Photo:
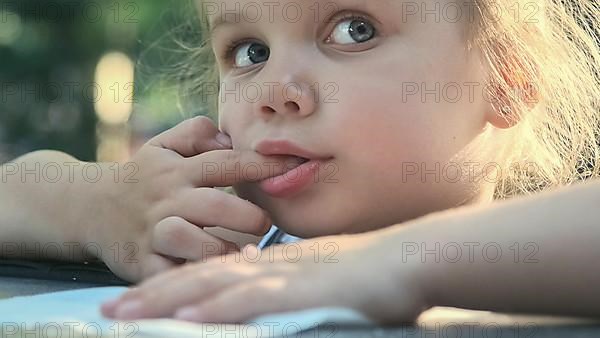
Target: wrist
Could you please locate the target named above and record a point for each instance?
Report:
(397, 282)
(416, 259)
(93, 194)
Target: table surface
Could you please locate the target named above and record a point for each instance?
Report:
(438, 322)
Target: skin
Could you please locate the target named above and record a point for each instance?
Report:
(371, 134)
(159, 221)
(389, 285)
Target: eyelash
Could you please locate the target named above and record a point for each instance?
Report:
(336, 19)
(232, 46)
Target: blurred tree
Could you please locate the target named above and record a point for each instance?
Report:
(49, 51)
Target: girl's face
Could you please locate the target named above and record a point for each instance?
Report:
(386, 105)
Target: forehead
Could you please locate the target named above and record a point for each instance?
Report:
(291, 11)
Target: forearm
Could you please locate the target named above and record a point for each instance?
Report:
(537, 254)
(40, 212)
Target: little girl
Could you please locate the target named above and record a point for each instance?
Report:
(407, 119)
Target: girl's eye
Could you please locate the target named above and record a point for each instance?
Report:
(352, 31)
(250, 53)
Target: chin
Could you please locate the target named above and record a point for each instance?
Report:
(309, 227)
(319, 218)
(319, 223)
(317, 212)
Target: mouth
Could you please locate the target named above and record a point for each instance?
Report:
(299, 154)
(300, 172)
(300, 160)
(296, 162)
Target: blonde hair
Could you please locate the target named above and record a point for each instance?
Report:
(552, 53)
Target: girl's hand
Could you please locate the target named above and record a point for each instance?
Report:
(349, 271)
(154, 219)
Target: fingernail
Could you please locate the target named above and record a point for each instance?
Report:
(268, 224)
(191, 314)
(224, 140)
(129, 310)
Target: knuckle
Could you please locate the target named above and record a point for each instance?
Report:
(172, 169)
(171, 231)
(216, 200)
(165, 169)
(254, 292)
(201, 125)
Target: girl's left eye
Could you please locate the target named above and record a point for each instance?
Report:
(352, 31)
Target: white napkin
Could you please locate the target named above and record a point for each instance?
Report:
(78, 312)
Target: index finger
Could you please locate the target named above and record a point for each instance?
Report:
(224, 168)
(192, 137)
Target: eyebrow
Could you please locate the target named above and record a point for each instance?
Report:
(222, 19)
(233, 17)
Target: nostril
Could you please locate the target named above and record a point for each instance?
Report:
(292, 106)
(267, 110)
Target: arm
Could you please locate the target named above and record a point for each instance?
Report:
(385, 278)
(555, 270)
(33, 212)
(141, 217)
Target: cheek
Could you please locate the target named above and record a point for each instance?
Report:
(379, 124)
(235, 118)
(374, 124)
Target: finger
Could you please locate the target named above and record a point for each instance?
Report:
(192, 137)
(156, 264)
(242, 302)
(109, 308)
(224, 168)
(153, 265)
(212, 207)
(176, 237)
(214, 264)
(162, 300)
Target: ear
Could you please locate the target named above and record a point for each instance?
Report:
(501, 112)
(515, 94)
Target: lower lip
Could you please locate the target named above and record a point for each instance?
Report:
(293, 181)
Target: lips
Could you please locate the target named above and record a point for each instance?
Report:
(283, 147)
(298, 176)
(288, 148)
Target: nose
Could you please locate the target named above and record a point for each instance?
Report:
(292, 98)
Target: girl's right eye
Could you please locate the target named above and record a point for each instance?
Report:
(250, 53)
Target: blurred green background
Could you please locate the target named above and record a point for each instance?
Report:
(67, 74)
